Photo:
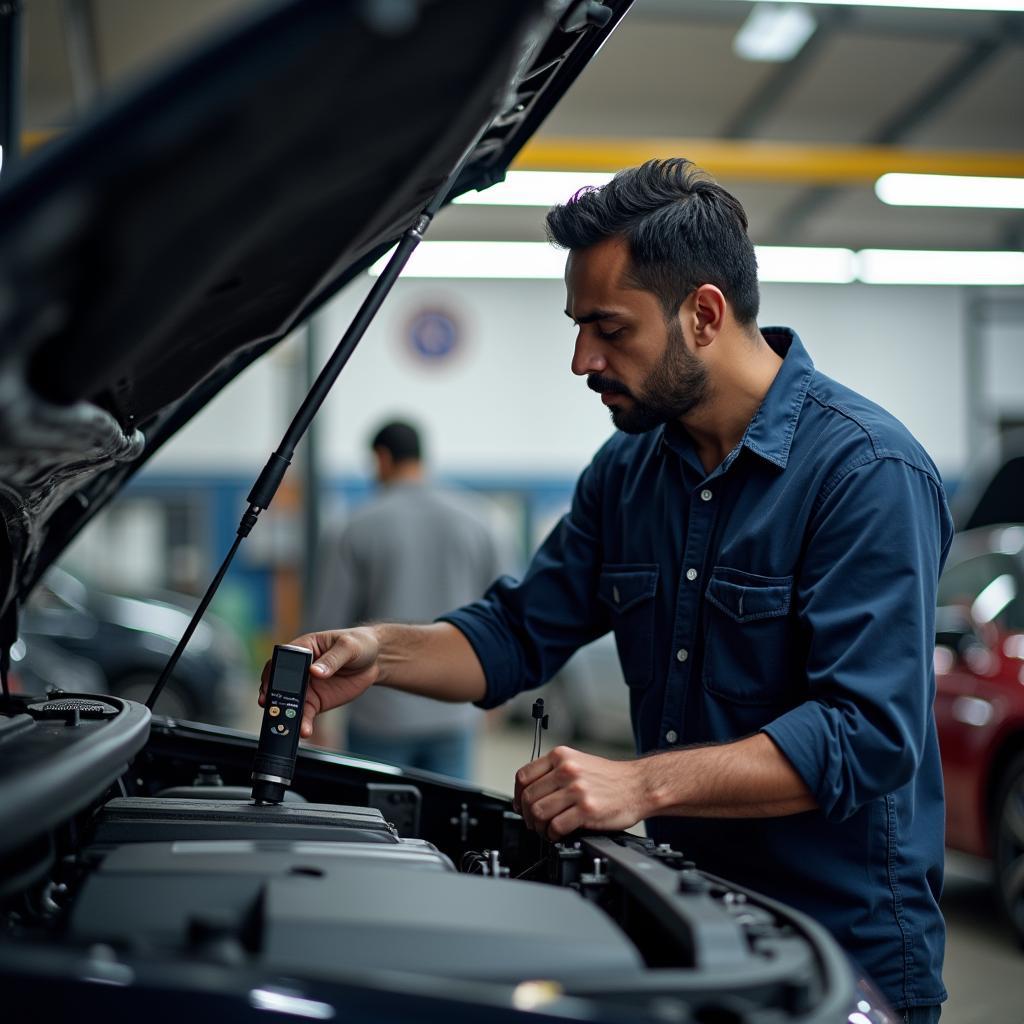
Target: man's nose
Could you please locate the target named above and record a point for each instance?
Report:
(587, 358)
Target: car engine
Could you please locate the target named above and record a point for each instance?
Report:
(139, 876)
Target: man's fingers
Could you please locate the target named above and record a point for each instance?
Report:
(343, 650)
(345, 658)
(546, 809)
(309, 711)
(565, 823)
(529, 773)
(536, 791)
(526, 775)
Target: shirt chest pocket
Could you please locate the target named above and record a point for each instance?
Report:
(748, 637)
(628, 591)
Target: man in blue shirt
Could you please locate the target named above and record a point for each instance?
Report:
(765, 545)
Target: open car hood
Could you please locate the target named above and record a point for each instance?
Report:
(154, 252)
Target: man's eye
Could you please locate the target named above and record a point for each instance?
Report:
(609, 335)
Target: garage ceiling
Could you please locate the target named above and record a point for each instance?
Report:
(918, 79)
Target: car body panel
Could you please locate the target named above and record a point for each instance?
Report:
(979, 704)
(185, 228)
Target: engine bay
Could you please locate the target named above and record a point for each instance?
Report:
(137, 872)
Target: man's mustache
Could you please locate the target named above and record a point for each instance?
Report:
(605, 385)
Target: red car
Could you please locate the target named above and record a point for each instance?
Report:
(979, 704)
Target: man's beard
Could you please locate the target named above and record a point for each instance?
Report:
(676, 386)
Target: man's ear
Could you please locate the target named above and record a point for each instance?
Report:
(384, 464)
(708, 311)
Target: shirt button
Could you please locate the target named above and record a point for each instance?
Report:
(681, 654)
(671, 736)
(705, 495)
(691, 574)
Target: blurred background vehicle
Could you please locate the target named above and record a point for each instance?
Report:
(992, 490)
(979, 705)
(128, 639)
(38, 665)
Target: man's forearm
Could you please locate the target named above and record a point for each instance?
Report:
(433, 661)
(750, 778)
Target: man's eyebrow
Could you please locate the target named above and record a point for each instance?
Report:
(594, 316)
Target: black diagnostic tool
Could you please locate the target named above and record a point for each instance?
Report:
(282, 717)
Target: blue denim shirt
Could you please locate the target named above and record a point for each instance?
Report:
(790, 591)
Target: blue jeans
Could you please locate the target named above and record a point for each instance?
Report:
(448, 753)
(921, 1014)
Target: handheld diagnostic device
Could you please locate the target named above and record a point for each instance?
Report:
(282, 716)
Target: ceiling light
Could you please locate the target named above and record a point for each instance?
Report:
(542, 261)
(923, 266)
(535, 188)
(776, 264)
(481, 259)
(774, 32)
(805, 264)
(937, 5)
(950, 190)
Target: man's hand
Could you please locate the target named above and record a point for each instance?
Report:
(749, 778)
(435, 661)
(568, 790)
(345, 664)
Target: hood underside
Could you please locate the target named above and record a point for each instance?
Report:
(150, 255)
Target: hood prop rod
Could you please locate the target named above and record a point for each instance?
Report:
(270, 478)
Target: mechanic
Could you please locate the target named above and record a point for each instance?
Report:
(410, 553)
(766, 545)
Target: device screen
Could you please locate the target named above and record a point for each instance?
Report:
(290, 671)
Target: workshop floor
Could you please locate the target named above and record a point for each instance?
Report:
(984, 969)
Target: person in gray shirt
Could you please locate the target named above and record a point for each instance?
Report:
(412, 553)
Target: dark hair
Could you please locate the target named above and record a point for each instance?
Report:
(683, 230)
(399, 438)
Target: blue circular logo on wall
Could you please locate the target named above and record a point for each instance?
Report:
(433, 335)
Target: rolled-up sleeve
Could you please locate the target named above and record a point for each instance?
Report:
(866, 603)
(524, 631)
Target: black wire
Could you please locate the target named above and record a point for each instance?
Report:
(476, 861)
(532, 867)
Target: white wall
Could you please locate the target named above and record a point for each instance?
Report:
(899, 346)
(506, 402)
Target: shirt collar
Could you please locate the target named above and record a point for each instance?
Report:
(770, 433)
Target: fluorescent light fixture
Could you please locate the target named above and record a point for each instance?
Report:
(538, 260)
(534, 188)
(805, 264)
(481, 259)
(924, 266)
(774, 32)
(776, 264)
(935, 5)
(950, 190)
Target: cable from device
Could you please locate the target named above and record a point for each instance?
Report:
(540, 722)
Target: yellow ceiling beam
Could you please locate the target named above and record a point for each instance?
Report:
(35, 137)
(810, 163)
(820, 164)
